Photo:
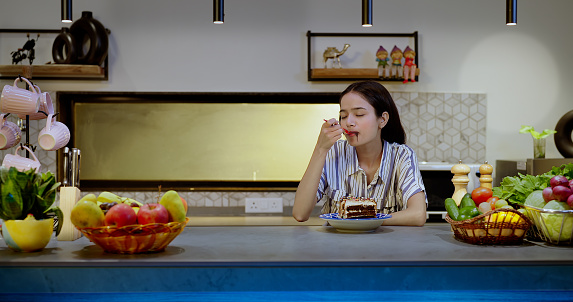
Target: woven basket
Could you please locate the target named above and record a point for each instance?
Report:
(485, 229)
(134, 239)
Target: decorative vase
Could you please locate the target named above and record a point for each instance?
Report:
(63, 49)
(539, 148)
(89, 32)
(28, 235)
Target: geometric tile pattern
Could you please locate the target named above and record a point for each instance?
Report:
(439, 126)
(444, 126)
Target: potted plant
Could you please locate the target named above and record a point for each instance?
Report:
(538, 140)
(26, 200)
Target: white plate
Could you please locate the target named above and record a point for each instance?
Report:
(355, 224)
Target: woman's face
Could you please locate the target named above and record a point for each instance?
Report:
(359, 118)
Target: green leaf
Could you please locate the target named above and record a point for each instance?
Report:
(59, 214)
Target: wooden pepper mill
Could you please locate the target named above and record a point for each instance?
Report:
(485, 178)
(460, 181)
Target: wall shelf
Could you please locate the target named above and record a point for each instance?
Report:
(53, 71)
(341, 74)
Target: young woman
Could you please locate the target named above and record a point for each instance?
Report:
(373, 161)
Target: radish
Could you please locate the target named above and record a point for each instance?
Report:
(559, 180)
(570, 200)
(561, 193)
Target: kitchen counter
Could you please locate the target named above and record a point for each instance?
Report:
(228, 258)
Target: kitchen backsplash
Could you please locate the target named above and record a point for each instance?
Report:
(440, 127)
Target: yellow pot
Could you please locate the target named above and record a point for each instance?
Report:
(28, 235)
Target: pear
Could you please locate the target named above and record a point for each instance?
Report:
(87, 214)
(89, 197)
(174, 205)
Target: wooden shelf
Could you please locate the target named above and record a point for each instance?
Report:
(341, 73)
(67, 71)
(348, 74)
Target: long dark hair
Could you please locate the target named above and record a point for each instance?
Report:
(382, 101)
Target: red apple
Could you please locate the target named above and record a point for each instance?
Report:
(152, 213)
(120, 215)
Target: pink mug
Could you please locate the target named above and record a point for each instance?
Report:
(18, 100)
(10, 133)
(45, 106)
(54, 136)
(21, 163)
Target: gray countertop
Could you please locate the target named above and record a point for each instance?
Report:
(302, 245)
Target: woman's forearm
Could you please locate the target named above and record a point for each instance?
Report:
(413, 215)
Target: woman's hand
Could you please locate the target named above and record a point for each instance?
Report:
(330, 132)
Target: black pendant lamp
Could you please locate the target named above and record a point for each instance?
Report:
(366, 13)
(218, 11)
(511, 12)
(67, 11)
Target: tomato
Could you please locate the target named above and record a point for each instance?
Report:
(481, 194)
(492, 200)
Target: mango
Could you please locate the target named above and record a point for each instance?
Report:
(87, 214)
(174, 205)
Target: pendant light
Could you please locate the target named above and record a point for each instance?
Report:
(366, 13)
(67, 11)
(218, 11)
(511, 12)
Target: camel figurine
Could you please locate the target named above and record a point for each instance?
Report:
(334, 54)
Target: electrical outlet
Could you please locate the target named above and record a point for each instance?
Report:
(263, 205)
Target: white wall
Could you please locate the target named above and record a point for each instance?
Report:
(465, 46)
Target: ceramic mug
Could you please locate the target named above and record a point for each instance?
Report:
(18, 100)
(54, 136)
(10, 133)
(21, 163)
(45, 106)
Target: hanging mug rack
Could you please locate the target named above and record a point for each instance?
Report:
(25, 127)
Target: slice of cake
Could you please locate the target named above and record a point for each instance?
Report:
(352, 207)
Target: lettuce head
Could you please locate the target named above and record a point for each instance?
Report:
(559, 226)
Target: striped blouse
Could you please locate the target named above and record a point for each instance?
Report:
(397, 178)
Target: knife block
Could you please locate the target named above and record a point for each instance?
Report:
(69, 196)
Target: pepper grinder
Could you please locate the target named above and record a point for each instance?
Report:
(460, 181)
(485, 177)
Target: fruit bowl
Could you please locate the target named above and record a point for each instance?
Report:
(135, 239)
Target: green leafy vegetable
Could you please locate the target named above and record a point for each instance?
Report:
(535, 134)
(516, 188)
(28, 192)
